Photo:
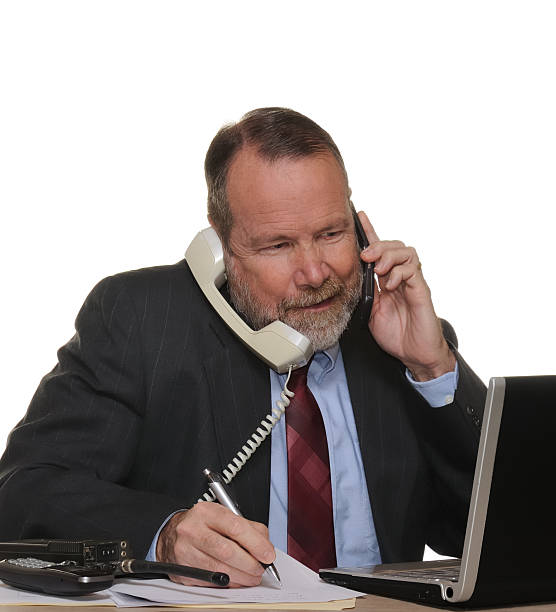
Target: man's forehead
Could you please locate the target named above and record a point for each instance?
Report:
(248, 165)
(255, 181)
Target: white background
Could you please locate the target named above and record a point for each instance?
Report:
(444, 113)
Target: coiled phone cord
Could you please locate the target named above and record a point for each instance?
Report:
(256, 438)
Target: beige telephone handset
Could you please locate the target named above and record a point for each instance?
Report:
(277, 344)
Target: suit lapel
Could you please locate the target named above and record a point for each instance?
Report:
(376, 390)
(239, 387)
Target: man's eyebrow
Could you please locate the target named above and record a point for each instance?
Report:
(334, 225)
(270, 238)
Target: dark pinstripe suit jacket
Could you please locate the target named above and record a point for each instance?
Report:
(153, 388)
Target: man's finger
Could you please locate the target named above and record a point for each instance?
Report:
(405, 273)
(239, 530)
(211, 537)
(262, 529)
(391, 257)
(368, 227)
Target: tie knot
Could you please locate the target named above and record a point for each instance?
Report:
(298, 377)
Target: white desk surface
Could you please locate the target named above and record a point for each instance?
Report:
(369, 603)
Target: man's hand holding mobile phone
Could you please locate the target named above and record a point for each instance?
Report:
(403, 321)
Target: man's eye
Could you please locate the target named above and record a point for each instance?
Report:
(276, 247)
(331, 234)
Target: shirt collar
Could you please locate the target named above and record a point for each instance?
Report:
(324, 362)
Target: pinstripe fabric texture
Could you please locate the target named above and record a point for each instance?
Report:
(154, 387)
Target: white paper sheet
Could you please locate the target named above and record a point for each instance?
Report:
(299, 584)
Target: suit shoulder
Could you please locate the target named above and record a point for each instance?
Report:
(144, 276)
(168, 283)
(152, 277)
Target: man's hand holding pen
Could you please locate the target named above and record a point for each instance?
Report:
(212, 537)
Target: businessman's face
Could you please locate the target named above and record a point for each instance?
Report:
(292, 249)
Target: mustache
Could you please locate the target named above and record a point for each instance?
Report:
(313, 295)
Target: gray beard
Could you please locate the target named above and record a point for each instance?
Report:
(323, 329)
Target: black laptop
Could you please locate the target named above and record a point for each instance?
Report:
(509, 554)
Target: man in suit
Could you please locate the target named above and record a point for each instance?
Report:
(154, 387)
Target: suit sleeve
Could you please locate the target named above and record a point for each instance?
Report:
(64, 470)
(449, 437)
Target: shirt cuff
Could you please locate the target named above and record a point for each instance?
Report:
(151, 554)
(438, 391)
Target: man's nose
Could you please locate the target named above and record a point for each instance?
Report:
(311, 269)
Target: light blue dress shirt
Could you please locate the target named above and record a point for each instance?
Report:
(356, 542)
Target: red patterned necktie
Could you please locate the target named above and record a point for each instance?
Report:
(310, 520)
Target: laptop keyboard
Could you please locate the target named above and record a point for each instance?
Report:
(444, 573)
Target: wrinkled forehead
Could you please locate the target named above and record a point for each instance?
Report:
(255, 183)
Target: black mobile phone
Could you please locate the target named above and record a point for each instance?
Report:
(368, 288)
(62, 578)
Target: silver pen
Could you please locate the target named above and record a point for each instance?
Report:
(218, 487)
